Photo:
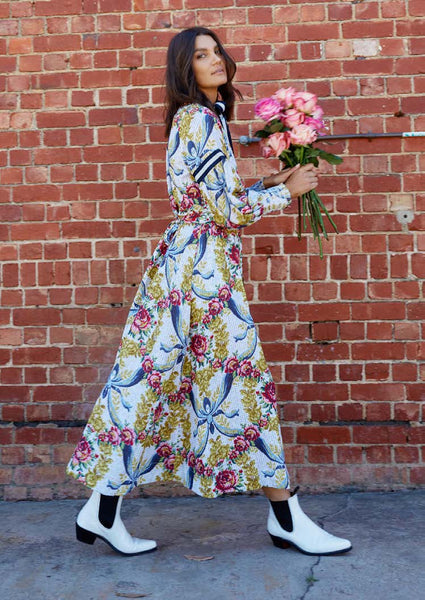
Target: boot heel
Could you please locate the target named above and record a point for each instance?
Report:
(87, 537)
(278, 542)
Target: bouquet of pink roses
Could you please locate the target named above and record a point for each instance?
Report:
(293, 122)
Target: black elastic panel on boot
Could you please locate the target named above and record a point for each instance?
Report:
(107, 510)
(283, 514)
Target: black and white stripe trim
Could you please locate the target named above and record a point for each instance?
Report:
(207, 164)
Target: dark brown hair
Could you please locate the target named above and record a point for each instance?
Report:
(180, 84)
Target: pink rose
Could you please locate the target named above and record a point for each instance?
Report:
(191, 460)
(278, 142)
(224, 293)
(231, 364)
(199, 466)
(147, 364)
(235, 254)
(186, 203)
(293, 117)
(154, 379)
(233, 454)
(169, 462)
(158, 412)
(83, 451)
(128, 436)
(163, 303)
(103, 437)
(301, 135)
(114, 435)
(245, 368)
(162, 247)
(206, 319)
(156, 438)
(208, 472)
(199, 346)
(262, 422)
(270, 392)
(193, 191)
(141, 436)
(174, 205)
(225, 481)
(217, 364)
(175, 297)
(256, 372)
(241, 444)
(285, 97)
(268, 109)
(164, 450)
(251, 433)
(266, 151)
(141, 320)
(305, 102)
(316, 124)
(186, 386)
(215, 306)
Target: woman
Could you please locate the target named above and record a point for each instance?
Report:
(190, 397)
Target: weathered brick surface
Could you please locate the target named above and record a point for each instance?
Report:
(83, 202)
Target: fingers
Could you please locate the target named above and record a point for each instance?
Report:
(285, 173)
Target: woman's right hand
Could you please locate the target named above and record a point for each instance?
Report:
(302, 180)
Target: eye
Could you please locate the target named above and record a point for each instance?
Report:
(202, 55)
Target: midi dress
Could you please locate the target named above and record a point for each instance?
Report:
(190, 397)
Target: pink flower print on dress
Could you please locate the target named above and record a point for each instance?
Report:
(175, 297)
(241, 444)
(186, 202)
(226, 481)
(199, 345)
(199, 466)
(224, 293)
(251, 433)
(141, 320)
(147, 364)
(82, 452)
(231, 364)
(128, 436)
(270, 392)
(191, 460)
(245, 368)
(215, 306)
(154, 380)
(235, 255)
(164, 450)
(114, 436)
(193, 191)
(169, 462)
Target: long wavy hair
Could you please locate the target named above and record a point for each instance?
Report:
(180, 83)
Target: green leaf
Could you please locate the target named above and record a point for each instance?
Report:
(332, 159)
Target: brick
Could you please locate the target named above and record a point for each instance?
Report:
(323, 435)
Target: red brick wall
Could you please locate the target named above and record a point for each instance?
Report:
(83, 200)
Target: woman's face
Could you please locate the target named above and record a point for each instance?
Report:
(208, 66)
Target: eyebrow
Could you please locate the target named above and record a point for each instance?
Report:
(198, 49)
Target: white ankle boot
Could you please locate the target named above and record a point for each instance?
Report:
(308, 537)
(89, 527)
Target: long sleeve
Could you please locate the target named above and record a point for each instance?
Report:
(212, 165)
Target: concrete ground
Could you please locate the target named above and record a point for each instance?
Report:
(40, 558)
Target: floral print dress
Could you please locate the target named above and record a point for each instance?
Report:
(190, 397)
